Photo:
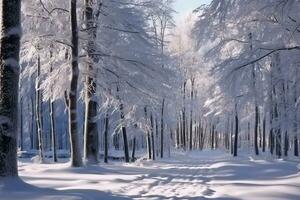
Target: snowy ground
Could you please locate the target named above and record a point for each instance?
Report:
(207, 175)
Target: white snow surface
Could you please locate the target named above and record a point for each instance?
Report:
(194, 175)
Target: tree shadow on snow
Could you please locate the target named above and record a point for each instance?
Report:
(16, 188)
(255, 170)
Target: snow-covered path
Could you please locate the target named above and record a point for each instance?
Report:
(207, 175)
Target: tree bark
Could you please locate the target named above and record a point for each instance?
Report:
(156, 136)
(91, 135)
(286, 144)
(9, 85)
(53, 130)
(76, 159)
(191, 113)
(30, 110)
(125, 140)
(52, 118)
(184, 117)
(178, 134)
(256, 130)
(162, 130)
(296, 148)
(38, 112)
(133, 150)
(277, 135)
(148, 136)
(213, 137)
(152, 136)
(106, 138)
(21, 126)
(235, 147)
(255, 101)
(264, 135)
(123, 127)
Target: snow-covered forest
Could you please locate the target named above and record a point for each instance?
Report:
(124, 99)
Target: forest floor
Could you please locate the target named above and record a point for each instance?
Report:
(194, 175)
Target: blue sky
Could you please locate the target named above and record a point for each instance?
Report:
(184, 6)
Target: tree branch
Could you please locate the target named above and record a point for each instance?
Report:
(54, 9)
(266, 55)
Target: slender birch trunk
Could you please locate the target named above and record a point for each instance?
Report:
(191, 113)
(38, 112)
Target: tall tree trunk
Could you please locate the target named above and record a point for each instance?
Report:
(31, 124)
(162, 130)
(9, 85)
(285, 90)
(76, 159)
(38, 112)
(278, 143)
(201, 135)
(271, 131)
(259, 130)
(148, 136)
(91, 135)
(123, 127)
(231, 135)
(35, 125)
(156, 136)
(53, 130)
(235, 147)
(296, 148)
(271, 141)
(52, 118)
(256, 130)
(152, 136)
(178, 134)
(255, 101)
(106, 137)
(184, 117)
(217, 139)
(264, 134)
(91, 132)
(286, 144)
(248, 135)
(271, 110)
(181, 130)
(133, 150)
(277, 135)
(191, 113)
(21, 126)
(125, 141)
(213, 137)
